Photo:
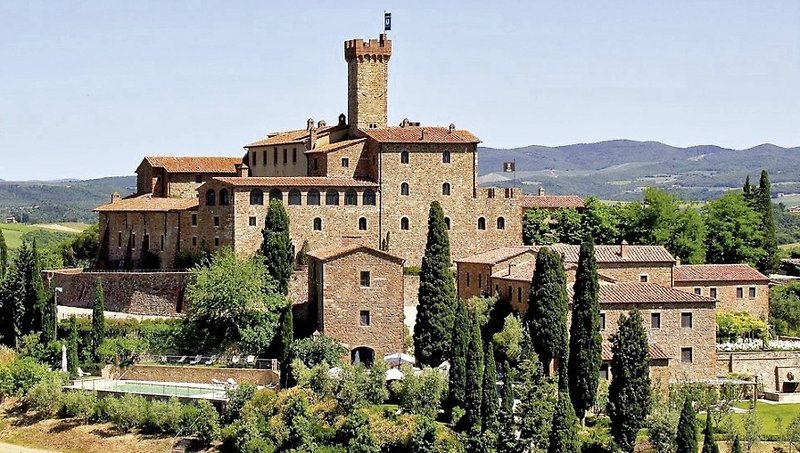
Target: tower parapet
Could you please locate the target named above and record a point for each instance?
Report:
(367, 78)
(375, 49)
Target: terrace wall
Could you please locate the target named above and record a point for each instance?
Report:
(200, 375)
(770, 367)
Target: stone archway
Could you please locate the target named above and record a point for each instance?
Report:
(363, 354)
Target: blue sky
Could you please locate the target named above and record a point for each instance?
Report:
(87, 88)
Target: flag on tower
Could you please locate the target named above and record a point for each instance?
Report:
(508, 167)
(387, 21)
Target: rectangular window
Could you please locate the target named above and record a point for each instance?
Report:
(602, 321)
(216, 221)
(655, 320)
(365, 279)
(198, 178)
(264, 157)
(216, 242)
(285, 159)
(643, 278)
(686, 355)
(698, 291)
(345, 162)
(254, 159)
(364, 318)
(275, 157)
(751, 292)
(294, 155)
(519, 294)
(119, 239)
(194, 219)
(194, 241)
(510, 293)
(314, 161)
(712, 292)
(604, 371)
(739, 293)
(252, 221)
(162, 243)
(686, 320)
(467, 279)
(133, 240)
(480, 280)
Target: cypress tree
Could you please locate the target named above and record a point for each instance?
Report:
(736, 446)
(456, 390)
(507, 436)
(3, 255)
(564, 432)
(98, 318)
(769, 263)
(585, 341)
(489, 403)
(277, 247)
(72, 347)
(437, 295)
(686, 437)
(49, 319)
(534, 411)
(286, 334)
(547, 308)
(473, 391)
(33, 295)
(747, 190)
(629, 391)
(709, 444)
(12, 303)
(424, 438)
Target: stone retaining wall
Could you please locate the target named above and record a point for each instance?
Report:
(771, 367)
(199, 375)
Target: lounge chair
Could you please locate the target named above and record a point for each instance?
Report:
(250, 360)
(182, 360)
(163, 359)
(235, 359)
(211, 360)
(217, 381)
(232, 382)
(82, 373)
(196, 360)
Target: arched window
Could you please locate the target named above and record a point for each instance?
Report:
(404, 156)
(257, 196)
(224, 197)
(211, 197)
(317, 224)
(404, 223)
(368, 199)
(332, 197)
(276, 194)
(312, 198)
(481, 223)
(362, 223)
(294, 197)
(501, 223)
(446, 188)
(404, 189)
(447, 222)
(446, 157)
(350, 198)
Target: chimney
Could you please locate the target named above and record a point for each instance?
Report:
(321, 124)
(451, 128)
(541, 191)
(312, 133)
(342, 120)
(242, 171)
(623, 249)
(115, 197)
(677, 260)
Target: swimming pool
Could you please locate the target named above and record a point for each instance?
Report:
(164, 389)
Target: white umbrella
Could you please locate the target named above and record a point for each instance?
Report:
(394, 374)
(335, 372)
(399, 358)
(63, 358)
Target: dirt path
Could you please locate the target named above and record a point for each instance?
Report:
(11, 448)
(59, 227)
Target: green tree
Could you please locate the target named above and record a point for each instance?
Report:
(679, 229)
(709, 444)
(299, 422)
(733, 232)
(473, 394)
(599, 221)
(564, 431)
(489, 407)
(72, 347)
(507, 431)
(98, 318)
(277, 247)
(747, 189)
(457, 377)
(536, 394)
(629, 392)
(784, 308)
(547, 308)
(3, 255)
(437, 295)
(49, 318)
(536, 227)
(686, 437)
(357, 435)
(12, 302)
(424, 438)
(568, 228)
(286, 337)
(25, 291)
(585, 341)
(736, 446)
(769, 242)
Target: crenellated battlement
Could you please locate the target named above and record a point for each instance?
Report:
(375, 49)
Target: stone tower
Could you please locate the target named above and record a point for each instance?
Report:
(367, 75)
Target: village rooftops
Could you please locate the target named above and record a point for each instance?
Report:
(190, 164)
(146, 203)
(523, 272)
(497, 255)
(552, 201)
(718, 273)
(645, 293)
(336, 145)
(622, 253)
(420, 134)
(294, 181)
(294, 137)
(334, 251)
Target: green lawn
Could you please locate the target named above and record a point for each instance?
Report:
(768, 414)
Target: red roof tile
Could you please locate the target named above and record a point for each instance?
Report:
(294, 181)
(552, 201)
(419, 134)
(496, 255)
(718, 273)
(146, 203)
(613, 253)
(189, 164)
(656, 353)
(645, 293)
(334, 251)
(337, 145)
(295, 136)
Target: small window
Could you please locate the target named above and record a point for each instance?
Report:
(740, 293)
(510, 293)
(264, 156)
(368, 199)
(194, 219)
(162, 243)
(602, 321)
(294, 155)
(686, 355)
(224, 197)
(350, 198)
(285, 157)
(119, 239)
(332, 197)
(698, 291)
(404, 223)
(446, 188)
(312, 198)
(519, 294)
(362, 223)
(686, 320)
(655, 320)
(501, 223)
(604, 371)
(446, 157)
(751, 292)
(216, 221)
(644, 278)
(253, 159)
(404, 156)
(211, 197)
(364, 318)
(480, 280)
(713, 292)
(317, 224)
(447, 222)
(481, 223)
(133, 240)
(275, 157)
(198, 179)
(256, 197)
(216, 242)
(276, 194)
(467, 279)
(365, 279)
(345, 162)
(294, 197)
(194, 241)
(314, 163)
(404, 189)
(253, 221)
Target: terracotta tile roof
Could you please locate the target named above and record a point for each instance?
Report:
(496, 255)
(644, 293)
(146, 203)
(523, 272)
(190, 164)
(612, 254)
(419, 134)
(551, 201)
(295, 136)
(718, 273)
(295, 181)
(656, 353)
(334, 251)
(337, 145)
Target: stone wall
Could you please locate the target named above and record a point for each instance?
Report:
(410, 290)
(143, 293)
(199, 375)
(659, 273)
(367, 78)
(757, 307)
(264, 163)
(165, 232)
(770, 366)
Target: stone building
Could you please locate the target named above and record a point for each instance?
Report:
(358, 293)
(737, 287)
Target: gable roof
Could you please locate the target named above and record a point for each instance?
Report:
(718, 273)
(146, 203)
(523, 272)
(191, 164)
(336, 145)
(494, 256)
(332, 252)
(419, 134)
(614, 254)
(294, 181)
(645, 293)
(295, 136)
(551, 201)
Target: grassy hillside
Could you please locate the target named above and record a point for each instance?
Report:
(46, 234)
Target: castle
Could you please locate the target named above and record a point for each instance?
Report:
(359, 180)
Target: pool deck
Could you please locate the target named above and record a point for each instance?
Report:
(182, 390)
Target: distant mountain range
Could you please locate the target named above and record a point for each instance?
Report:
(621, 169)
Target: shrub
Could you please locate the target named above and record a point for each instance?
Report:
(79, 404)
(121, 351)
(206, 423)
(421, 394)
(20, 375)
(45, 396)
(127, 412)
(164, 416)
(236, 401)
